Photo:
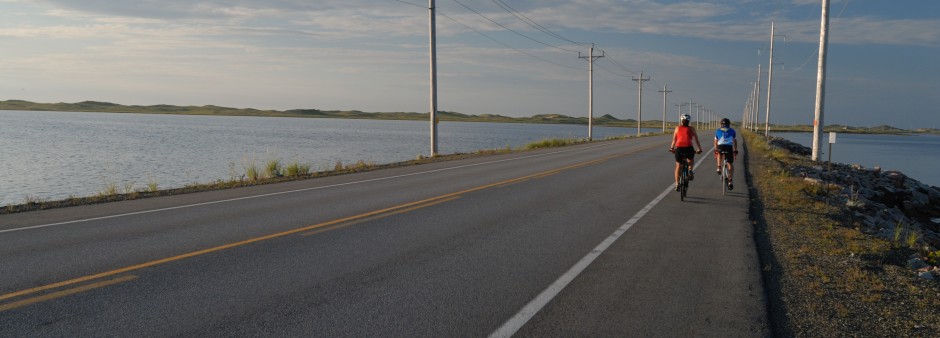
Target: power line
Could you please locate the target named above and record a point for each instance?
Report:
(511, 30)
(532, 23)
(505, 44)
(413, 4)
(621, 67)
(816, 51)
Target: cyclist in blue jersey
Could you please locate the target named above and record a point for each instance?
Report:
(726, 142)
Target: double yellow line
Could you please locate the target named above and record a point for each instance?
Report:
(306, 231)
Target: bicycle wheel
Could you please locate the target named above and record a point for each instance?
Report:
(683, 182)
(724, 175)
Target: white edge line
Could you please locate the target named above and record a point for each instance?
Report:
(511, 326)
(293, 191)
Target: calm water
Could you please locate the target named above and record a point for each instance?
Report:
(917, 156)
(51, 155)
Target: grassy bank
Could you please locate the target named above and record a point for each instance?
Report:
(824, 276)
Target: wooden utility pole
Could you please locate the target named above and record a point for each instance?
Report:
(591, 57)
(433, 46)
(639, 109)
(821, 81)
(770, 78)
(665, 92)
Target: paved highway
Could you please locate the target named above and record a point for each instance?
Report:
(587, 240)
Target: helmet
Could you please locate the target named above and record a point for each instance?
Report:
(725, 122)
(685, 117)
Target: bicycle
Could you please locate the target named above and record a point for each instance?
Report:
(683, 183)
(725, 177)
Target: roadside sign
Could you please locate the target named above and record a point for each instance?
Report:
(832, 137)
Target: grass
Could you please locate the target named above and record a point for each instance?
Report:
(272, 168)
(552, 143)
(296, 169)
(252, 172)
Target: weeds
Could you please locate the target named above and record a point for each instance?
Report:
(152, 186)
(898, 232)
(272, 169)
(295, 169)
(552, 143)
(913, 237)
(110, 189)
(252, 172)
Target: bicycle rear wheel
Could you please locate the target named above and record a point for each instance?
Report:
(724, 175)
(683, 183)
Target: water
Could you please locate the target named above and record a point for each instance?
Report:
(52, 155)
(917, 156)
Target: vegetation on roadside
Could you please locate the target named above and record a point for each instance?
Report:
(824, 276)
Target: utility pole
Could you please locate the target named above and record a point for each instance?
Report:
(433, 46)
(821, 81)
(591, 57)
(698, 116)
(639, 109)
(665, 92)
(679, 112)
(754, 104)
(690, 109)
(770, 78)
(757, 91)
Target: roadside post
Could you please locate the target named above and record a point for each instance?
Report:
(832, 139)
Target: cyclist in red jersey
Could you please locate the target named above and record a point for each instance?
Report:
(681, 145)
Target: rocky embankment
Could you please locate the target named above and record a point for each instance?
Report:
(886, 204)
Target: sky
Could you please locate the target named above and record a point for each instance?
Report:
(508, 57)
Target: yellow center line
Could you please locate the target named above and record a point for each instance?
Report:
(63, 293)
(308, 228)
(392, 213)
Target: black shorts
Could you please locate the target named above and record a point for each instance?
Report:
(685, 153)
(728, 150)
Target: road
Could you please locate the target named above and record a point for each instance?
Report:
(586, 240)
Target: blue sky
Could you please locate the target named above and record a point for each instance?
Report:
(372, 55)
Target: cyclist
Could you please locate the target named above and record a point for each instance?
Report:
(682, 145)
(726, 143)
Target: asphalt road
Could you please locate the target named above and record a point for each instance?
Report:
(576, 241)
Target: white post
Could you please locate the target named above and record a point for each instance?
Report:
(770, 80)
(821, 81)
(757, 101)
(590, 59)
(665, 92)
(639, 109)
(433, 111)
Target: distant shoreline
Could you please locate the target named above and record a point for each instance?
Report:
(210, 110)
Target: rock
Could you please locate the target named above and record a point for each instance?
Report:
(917, 264)
(934, 194)
(897, 179)
(813, 181)
(920, 197)
(926, 275)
